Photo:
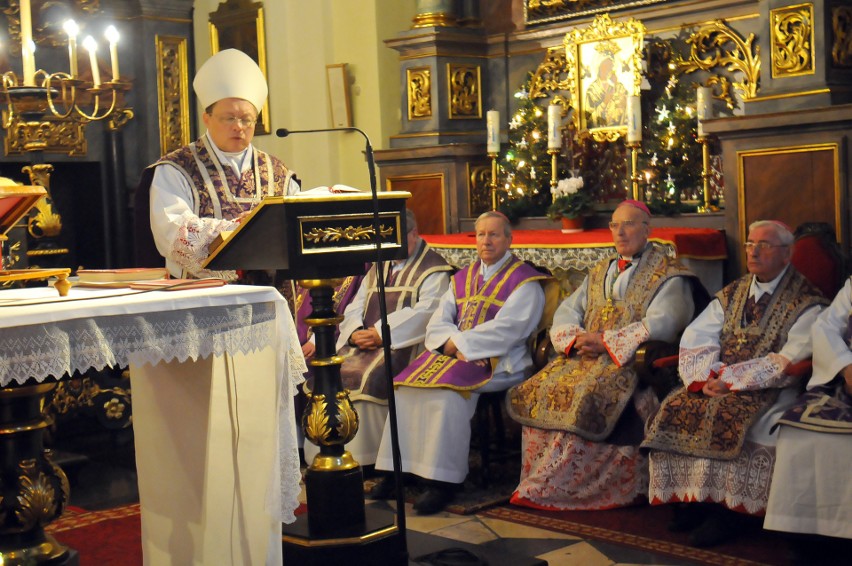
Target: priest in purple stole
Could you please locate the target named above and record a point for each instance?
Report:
(710, 442)
(477, 341)
(208, 186)
(413, 287)
(584, 413)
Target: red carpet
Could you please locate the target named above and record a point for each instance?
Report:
(644, 528)
(104, 538)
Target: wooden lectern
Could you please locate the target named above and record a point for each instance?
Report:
(317, 240)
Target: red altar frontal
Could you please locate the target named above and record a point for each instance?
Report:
(570, 256)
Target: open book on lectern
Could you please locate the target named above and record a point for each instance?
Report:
(315, 235)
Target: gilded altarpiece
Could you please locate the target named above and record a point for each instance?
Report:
(546, 11)
(172, 92)
(465, 91)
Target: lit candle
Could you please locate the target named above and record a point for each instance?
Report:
(703, 107)
(492, 124)
(111, 35)
(634, 119)
(27, 44)
(71, 28)
(92, 47)
(554, 126)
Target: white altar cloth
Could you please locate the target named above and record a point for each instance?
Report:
(208, 410)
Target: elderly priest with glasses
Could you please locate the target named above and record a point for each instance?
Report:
(208, 186)
(711, 447)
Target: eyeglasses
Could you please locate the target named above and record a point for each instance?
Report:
(244, 122)
(762, 246)
(627, 224)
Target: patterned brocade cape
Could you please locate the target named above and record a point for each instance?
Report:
(363, 372)
(587, 397)
(214, 198)
(476, 302)
(715, 427)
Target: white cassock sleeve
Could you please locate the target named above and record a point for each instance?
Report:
(515, 321)
(181, 236)
(408, 325)
(831, 350)
(700, 354)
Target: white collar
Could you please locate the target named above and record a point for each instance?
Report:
(757, 289)
(236, 159)
(489, 270)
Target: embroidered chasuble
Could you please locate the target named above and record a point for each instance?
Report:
(216, 190)
(694, 424)
(477, 301)
(363, 371)
(587, 397)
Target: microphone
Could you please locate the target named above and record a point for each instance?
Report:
(396, 456)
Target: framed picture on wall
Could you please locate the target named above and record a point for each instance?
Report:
(238, 24)
(604, 64)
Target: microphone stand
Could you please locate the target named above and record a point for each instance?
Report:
(383, 315)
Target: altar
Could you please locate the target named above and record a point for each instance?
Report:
(213, 372)
(570, 256)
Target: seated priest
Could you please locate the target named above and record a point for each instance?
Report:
(477, 342)
(413, 287)
(584, 413)
(710, 442)
(208, 186)
(811, 492)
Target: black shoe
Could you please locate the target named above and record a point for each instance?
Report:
(718, 528)
(686, 516)
(436, 497)
(384, 488)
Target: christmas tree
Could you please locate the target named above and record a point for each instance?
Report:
(670, 162)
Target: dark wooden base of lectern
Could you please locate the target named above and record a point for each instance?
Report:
(377, 542)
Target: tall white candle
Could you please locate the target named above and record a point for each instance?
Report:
(111, 35)
(92, 47)
(71, 28)
(492, 126)
(703, 107)
(634, 119)
(27, 44)
(554, 126)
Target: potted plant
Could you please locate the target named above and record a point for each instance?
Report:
(570, 203)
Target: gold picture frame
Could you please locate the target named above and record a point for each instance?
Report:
(239, 24)
(604, 63)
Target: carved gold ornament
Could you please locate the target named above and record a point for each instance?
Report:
(347, 418)
(316, 421)
(478, 192)
(350, 233)
(709, 51)
(551, 74)
(50, 135)
(542, 11)
(465, 90)
(37, 501)
(172, 92)
(841, 29)
(792, 40)
(419, 81)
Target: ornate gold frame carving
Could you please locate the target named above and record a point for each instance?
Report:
(792, 40)
(50, 135)
(239, 24)
(707, 54)
(587, 52)
(172, 92)
(551, 75)
(464, 89)
(544, 11)
(841, 30)
(419, 88)
(478, 191)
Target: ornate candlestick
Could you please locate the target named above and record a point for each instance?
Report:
(493, 184)
(634, 167)
(553, 180)
(705, 173)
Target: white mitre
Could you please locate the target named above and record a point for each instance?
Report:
(230, 74)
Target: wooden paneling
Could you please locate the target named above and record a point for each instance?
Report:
(427, 200)
(791, 184)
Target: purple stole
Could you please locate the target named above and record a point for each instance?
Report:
(363, 372)
(218, 192)
(477, 301)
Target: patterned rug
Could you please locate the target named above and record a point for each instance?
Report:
(644, 528)
(106, 538)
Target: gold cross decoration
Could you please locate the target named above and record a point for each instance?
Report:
(607, 310)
